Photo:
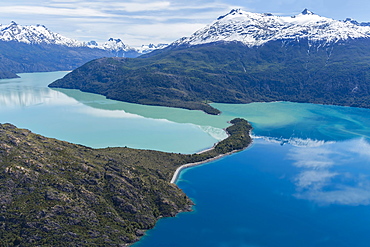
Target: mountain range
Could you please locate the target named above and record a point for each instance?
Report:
(242, 57)
(254, 29)
(35, 48)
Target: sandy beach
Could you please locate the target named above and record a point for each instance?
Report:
(180, 168)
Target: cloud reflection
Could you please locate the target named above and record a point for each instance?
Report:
(335, 173)
(28, 96)
(313, 179)
(361, 147)
(295, 141)
(109, 113)
(316, 158)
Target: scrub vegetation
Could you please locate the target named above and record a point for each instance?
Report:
(54, 193)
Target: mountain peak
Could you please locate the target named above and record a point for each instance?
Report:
(232, 12)
(235, 11)
(307, 12)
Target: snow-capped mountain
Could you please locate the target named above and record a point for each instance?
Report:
(151, 47)
(112, 44)
(254, 29)
(35, 34)
(115, 45)
(39, 34)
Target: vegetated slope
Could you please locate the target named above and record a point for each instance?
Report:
(17, 57)
(54, 193)
(231, 72)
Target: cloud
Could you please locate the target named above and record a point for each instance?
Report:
(116, 6)
(138, 34)
(51, 11)
(138, 7)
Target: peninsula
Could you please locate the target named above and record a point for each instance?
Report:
(54, 192)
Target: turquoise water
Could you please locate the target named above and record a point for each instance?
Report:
(27, 102)
(287, 120)
(305, 181)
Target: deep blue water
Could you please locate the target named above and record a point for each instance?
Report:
(305, 182)
(273, 195)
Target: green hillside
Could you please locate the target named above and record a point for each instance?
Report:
(54, 193)
(191, 77)
(18, 57)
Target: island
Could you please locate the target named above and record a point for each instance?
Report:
(57, 193)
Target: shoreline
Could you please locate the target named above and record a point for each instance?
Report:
(239, 138)
(182, 167)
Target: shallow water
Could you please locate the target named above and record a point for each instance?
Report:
(94, 121)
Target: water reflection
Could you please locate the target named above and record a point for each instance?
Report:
(16, 95)
(27, 102)
(294, 141)
(334, 173)
(212, 125)
(172, 114)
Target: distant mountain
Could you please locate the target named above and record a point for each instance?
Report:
(242, 57)
(144, 49)
(120, 49)
(36, 49)
(40, 35)
(37, 34)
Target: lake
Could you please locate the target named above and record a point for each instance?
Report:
(305, 181)
(94, 121)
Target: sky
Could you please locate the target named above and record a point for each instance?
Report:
(156, 21)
